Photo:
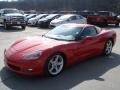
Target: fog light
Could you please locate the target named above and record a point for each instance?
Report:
(29, 70)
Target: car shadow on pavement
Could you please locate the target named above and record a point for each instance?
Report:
(11, 29)
(91, 69)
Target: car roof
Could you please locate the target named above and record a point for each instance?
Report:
(78, 25)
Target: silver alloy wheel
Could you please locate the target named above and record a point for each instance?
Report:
(108, 48)
(55, 64)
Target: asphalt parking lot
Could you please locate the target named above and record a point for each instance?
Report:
(100, 73)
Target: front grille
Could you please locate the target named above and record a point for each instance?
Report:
(17, 18)
(13, 67)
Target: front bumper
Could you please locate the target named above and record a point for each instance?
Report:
(25, 67)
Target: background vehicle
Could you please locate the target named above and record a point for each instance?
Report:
(26, 15)
(104, 18)
(45, 22)
(34, 21)
(12, 17)
(68, 18)
(63, 46)
(86, 13)
(30, 16)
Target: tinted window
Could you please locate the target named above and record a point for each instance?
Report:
(80, 17)
(73, 18)
(51, 16)
(89, 31)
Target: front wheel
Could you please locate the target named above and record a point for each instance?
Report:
(5, 26)
(108, 47)
(54, 65)
(23, 27)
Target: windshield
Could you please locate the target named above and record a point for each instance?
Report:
(64, 32)
(50, 16)
(40, 16)
(64, 17)
(32, 15)
(11, 11)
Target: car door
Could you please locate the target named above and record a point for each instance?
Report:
(88, 46)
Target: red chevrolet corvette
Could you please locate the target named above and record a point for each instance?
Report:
(61, 47)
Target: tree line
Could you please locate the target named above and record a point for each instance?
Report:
(64, 5)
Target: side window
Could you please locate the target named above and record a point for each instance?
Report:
(89, 31)
(73, 18)
(113, 14)
(79, 17)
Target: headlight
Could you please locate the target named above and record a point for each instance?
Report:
(8, 18)
(33, 55)
(25, 19)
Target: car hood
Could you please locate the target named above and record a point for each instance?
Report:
(14, 14)
(29, 44)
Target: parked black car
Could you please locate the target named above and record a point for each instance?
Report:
(45, 22)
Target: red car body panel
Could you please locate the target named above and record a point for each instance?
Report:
(102, 19)
(74, 51)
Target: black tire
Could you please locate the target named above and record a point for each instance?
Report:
(108, 48)
(49, 65)
(105, 24)
(23, 27)
(117, 24)
(5, 26)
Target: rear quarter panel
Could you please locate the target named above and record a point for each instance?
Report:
(107, 34)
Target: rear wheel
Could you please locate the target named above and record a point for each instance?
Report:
(108, 47)
(54, 65)
(105, 23)
(117, 24)
(23, 27)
